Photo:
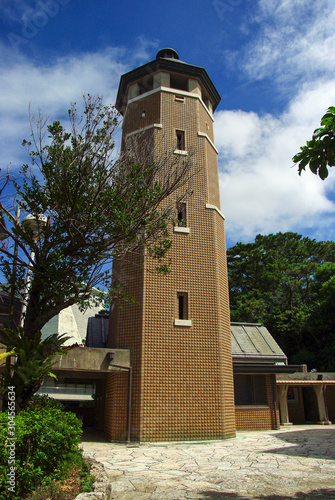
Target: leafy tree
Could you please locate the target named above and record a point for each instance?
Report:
(287, 282)
(319, 152)
(34, 359)
(95, 204)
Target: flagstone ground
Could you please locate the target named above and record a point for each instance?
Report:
(293, 463)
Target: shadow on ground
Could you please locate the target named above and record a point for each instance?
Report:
(319, 494)
(313, 443)
(92, 435)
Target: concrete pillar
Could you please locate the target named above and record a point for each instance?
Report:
(194, 86)
(322, 407)
(209, 106)
(134, 91)
(161, 79)
(283, 408)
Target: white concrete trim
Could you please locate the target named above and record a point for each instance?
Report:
(182, 322)
(180, 152)
(181, 229)
(202, 134)
(213, 207)
(154, 125)
(251, 407)
(171, 91)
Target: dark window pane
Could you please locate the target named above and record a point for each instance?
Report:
(181, 214)
(250, 390)
(180, 139)
(182, 306)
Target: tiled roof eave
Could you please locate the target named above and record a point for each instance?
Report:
(260, 358)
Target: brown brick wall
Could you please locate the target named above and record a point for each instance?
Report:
(115, 422)
(126, 332)
(205, 124)
(134, 119)
(249, 418)
(213, 195)
(226, 366)
(182, 379)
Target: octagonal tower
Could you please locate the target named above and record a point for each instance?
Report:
(179, 327)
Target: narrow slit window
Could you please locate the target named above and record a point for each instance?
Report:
(181, 214)
(182, 305)
(180, 135)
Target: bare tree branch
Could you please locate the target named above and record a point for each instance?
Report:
(97, 205)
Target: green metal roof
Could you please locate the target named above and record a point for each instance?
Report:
(253, 342)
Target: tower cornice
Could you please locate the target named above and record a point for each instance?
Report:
(170, 65)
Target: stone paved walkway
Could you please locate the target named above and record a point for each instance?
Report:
(292, 463)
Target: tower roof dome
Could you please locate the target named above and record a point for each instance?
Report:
(167, 54)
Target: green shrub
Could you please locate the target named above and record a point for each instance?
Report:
(46, 439)
(44, 401)
(85, 478)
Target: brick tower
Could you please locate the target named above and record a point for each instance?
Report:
(179, 328)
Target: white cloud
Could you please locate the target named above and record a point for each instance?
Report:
(291, 38)
(51, 87)
(260, 193)
(237, 132)
(291, 45)
(16, 10)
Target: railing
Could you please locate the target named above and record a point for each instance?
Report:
(66, 390)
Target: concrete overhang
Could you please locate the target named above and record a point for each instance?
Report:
(310, 378)
(93, 359)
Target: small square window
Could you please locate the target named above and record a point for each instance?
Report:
(182, 305)
(180, 136)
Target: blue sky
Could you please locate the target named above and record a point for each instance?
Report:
(272, 62)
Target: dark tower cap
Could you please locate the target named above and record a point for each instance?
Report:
(167, 54)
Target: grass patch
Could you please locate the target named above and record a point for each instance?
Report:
(75, 479)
